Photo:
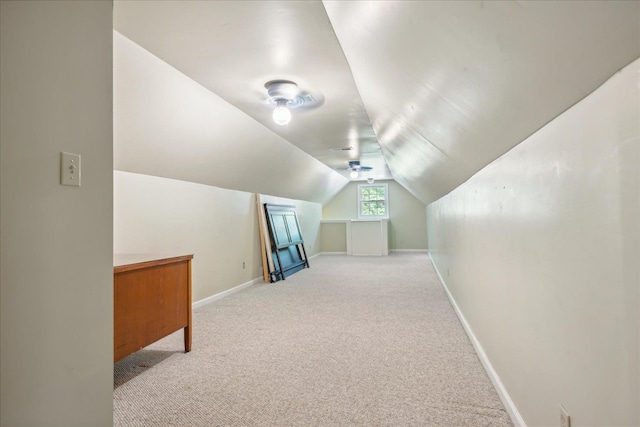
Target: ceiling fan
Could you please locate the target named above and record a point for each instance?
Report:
(355, 167)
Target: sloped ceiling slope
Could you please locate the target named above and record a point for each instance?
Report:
(233, 48)
(450, 86)
(428, 92)
(167, 125)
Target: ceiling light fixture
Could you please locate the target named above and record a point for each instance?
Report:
(281, 115)
(286, 95)
(354, 174)
(283, 93)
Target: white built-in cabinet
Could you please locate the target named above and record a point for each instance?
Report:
(365, 237)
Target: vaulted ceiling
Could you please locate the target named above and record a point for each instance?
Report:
(425, 92)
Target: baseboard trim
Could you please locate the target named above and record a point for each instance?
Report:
(226, 293)
(508, 403)
(421, 251)
(315, 256)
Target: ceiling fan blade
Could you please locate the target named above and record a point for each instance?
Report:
(354, 165)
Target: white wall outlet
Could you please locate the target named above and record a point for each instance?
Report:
(70, 169)
(565, 419)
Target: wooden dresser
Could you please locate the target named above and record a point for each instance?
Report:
(151, 299)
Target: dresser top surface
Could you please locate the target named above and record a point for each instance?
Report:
(120, 260)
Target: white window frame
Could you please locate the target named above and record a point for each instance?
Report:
(386, 201)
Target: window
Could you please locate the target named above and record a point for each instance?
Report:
(373, 201)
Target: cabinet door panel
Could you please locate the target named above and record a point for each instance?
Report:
(294, 229)
(280, 229)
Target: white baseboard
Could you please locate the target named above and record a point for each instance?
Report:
(422, 251)
(511, 408)
(316, 255)
(226, 293)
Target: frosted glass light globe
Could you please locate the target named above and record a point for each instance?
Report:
(281, 115)
(353, 174)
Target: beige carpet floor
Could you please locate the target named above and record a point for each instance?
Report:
(351, 341)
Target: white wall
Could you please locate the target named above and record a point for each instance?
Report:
(407, 216)
(540, 252)
(56, 280)
(217, 225)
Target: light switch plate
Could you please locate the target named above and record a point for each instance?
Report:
(565, 419)
(70, 169)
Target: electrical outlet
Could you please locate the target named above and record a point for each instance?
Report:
(565, 419)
